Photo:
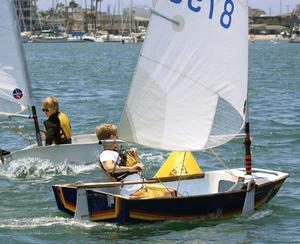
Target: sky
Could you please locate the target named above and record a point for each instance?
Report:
(269, 6)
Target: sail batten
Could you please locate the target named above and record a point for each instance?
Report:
(190, 85)
(15, 88)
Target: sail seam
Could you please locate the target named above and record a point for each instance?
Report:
(183, 75)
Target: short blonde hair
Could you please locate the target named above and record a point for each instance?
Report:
(51, 103)
(105, 131)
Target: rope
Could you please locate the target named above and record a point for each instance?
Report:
(223, 163)
(231, 188)
(19, 132)
(165, 186)
(162, 183)
(182, 167)
(144, 179)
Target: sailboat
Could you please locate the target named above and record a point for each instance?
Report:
(16, 97)
(189, 93)
(295, 35)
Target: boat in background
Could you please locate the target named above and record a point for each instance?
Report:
(92, 38)
(75, 36)
(84, 149)
(295, 35)
(129, 39)
(25, 36)
(16, 98)
(75, 39)
(48, 36)
(112, 38)
(189, 93)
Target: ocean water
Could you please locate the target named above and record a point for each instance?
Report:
(91, 81)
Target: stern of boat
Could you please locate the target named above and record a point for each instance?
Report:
(65, 196)
(264, 183)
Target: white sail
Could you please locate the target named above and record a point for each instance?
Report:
(190, 84)
(15, 89)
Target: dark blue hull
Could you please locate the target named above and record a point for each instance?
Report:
(107, 207)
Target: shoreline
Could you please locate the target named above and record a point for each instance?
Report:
(267, 37)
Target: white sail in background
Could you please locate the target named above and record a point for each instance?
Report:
(190, 84)
(15, 89)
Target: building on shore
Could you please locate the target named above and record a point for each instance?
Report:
(27, 13)
(264, 29)
(272, 25)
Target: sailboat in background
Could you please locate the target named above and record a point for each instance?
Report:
(189, 93)
(16, 97)
(295, 35)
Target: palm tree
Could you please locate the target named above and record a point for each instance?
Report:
(85, 21)
(60, 7)
(96, 13)
(72, 5)
(93, 15)
(297, 10)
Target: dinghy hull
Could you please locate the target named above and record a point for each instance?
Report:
(108, 207)
(84, 149)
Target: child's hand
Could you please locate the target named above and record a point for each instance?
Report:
(133, 152)
(138, 167)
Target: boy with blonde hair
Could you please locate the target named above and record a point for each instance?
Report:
(57, 126)
(118, 168)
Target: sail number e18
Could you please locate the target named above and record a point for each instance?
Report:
(226, 16)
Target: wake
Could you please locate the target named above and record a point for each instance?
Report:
(32, 168)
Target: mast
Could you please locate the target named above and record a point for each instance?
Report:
(119, 15)
(247, 142)
(33, 109)
(85, 28)
(30, 13)
(38, 16)
(247, 139)
(22, 16)
(27, 77)
(36, 126)
(52, 17)
(131, 6)
(96, 16)
(100, 14)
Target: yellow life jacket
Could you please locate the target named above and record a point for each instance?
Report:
(125, 160)
(65, 131)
